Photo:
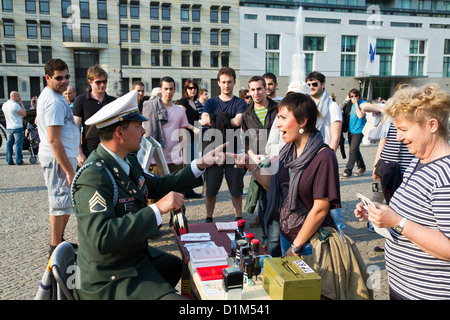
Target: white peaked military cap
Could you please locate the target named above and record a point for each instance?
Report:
(121, 109)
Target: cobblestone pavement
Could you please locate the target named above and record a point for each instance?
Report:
(25, 232)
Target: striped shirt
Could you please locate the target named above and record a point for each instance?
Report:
(396, 151)
(261, 114)
(423, 197)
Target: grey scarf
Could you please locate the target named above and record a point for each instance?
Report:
(324, 107)
(288, 157)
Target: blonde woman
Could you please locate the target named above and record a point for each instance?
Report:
(418, 215)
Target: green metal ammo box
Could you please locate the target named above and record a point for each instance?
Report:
(290, 278)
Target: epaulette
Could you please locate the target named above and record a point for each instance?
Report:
(99, 164)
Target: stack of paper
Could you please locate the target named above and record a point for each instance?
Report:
(208, 256)
(226, 226)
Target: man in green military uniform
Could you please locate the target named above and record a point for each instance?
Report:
(110, 194)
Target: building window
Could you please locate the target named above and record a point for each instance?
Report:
(30, 6)
(102, 12)
(184, 12)
(273, 62)
(309, 62)
(46, 31)
(214, 59)
(84, 9)
(385, 49)
(32, 32)
(33, 54)
(185, 56)
(154, 34)
(166, 35)
(196, 36)
(197, 59)
(124, 57)
(196, 13)
(225, 59)
(135, 34)
(44, 6)
(7, 6)
(154, 11)
(446, 68)
(8, 28)
(225, 38)
(214, 14)
(10, 54)
(348, 65)
(67, 33)
(214, 37)
(273, 42)
(134, 10)
(185, 35)
(167, 58)
(85, 32)
(123, 32)
(313, 43)
(123, 10)
(136, 57)
(165, 12)
(102, 33)
(417, 57)
(225, 15)
(46, 53)
(65, 8)
(273, 55)
(348, 56)
(155, 58)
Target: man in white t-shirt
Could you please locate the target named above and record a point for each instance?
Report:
(330, 111)
(330, 126)
(14, 110)
(58, 149)
(272, 86)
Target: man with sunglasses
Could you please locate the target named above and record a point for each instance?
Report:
(58, 148)
(86, 105)
(331, 122)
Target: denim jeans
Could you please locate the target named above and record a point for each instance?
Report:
(354, 154)
(273, 239)
(286, 245)
(14, 135)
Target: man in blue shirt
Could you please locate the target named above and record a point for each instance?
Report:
(223, 112)
(357, 122)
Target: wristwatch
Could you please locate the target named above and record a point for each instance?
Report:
(294, 249)
(401, 225)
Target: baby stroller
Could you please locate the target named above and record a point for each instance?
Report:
(31, 141)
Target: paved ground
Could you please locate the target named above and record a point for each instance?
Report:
(24, 226)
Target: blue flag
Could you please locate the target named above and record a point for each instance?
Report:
(372, 53)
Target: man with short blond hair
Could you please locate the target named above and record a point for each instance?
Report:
(86, 105)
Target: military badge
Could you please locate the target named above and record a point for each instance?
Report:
(97, 203)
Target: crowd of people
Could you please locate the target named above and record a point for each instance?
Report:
(287, 144)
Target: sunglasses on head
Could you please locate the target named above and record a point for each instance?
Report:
(98, 82)
(314, 84)
(59, 78)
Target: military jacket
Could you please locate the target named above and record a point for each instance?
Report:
(114, 223)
